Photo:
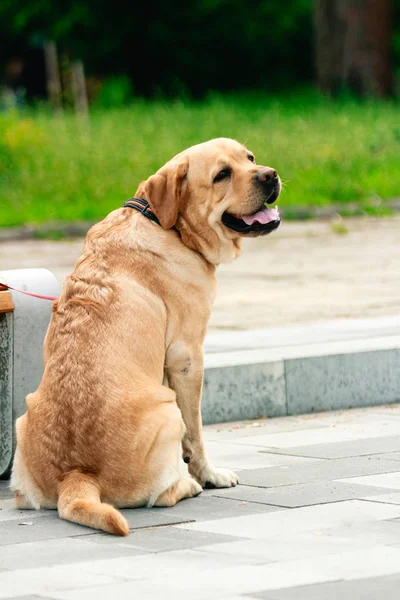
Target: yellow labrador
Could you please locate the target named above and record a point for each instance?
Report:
(123, 355)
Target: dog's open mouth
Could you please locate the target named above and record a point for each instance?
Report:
(263, 221)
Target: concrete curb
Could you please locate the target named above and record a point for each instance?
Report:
(298, 379)
(376, 207)
(52, 230)
(71, 229)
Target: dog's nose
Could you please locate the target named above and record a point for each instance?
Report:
(267, 175)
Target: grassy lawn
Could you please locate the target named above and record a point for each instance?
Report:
(56, 168)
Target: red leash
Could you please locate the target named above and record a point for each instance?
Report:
(4, 286)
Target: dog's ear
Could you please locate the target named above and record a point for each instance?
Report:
(163, 192)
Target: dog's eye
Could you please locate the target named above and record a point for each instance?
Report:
(222, 175)
(251, 157)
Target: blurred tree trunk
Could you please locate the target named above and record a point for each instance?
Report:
(352, 45)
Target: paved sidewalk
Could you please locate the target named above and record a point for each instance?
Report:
(316, 517)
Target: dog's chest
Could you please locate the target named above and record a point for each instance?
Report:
(192, 292)
(194, 286)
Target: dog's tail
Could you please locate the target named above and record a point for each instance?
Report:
(79, 501)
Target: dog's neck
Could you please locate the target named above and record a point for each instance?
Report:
(211, 243)
(213, 246)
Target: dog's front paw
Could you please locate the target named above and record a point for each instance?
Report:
(210, 477)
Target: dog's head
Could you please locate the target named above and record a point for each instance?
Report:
(214, 194)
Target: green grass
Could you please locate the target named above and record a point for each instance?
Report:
(326, 152)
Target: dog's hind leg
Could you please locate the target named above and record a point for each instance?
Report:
(170, 486)
(22, 503)
(184, 488)
(27, 493)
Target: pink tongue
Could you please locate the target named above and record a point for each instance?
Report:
(264, 216)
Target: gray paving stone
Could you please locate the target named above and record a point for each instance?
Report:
(290, 547)
(239, 392)
(389, 447)
(165, 539)
(396, 520)
(173, 563)
(391, 456)
(50, 581)
(371, 533)
(27, 598)
(9, 512)
(332, 430)
(41, 528)
(382, 480)
(209, 507)
(231, 543)
(154, 517)
(291, 496)
(239, 456)
(5, 491)
(62, 551)
(313, 471)
(340, 381)
(51, 527)
(12, 514)
(373, 588)
(251, 431)
(391, 498)
(305, 519)
(214, 581)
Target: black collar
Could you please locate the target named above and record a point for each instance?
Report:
(142, 206)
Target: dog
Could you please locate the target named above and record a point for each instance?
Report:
(123, 359)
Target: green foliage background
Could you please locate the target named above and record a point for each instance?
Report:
(63, 168)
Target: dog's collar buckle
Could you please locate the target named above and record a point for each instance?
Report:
(142, 206)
